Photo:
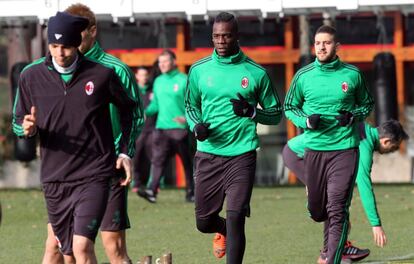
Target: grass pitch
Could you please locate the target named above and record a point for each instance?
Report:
(278, 232)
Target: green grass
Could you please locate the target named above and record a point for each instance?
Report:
(278, 232)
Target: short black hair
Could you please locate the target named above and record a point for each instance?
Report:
(327, 29)
(393, 130)
(225, 17)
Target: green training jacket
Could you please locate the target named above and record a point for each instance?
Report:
(212, 82)
(127, 79)
(168, 101)
(325, 89)
(368, 144)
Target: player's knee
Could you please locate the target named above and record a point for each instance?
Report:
(319, 216)
(205, 225)
(51, 245)
(82, 246)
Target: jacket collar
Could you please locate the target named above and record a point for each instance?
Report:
(171, 73)
(330, 66)
(233, 59)
(49, 63)
(96, 52)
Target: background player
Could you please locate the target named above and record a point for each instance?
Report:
(143, 145)
(171, 135)
(384, 139)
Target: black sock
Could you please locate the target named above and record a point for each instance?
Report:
(236, 239)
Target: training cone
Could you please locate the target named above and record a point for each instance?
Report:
(165, 259)
(145, 260)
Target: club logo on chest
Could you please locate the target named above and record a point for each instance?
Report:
(244, 82)
(344, 87)
(89, 87)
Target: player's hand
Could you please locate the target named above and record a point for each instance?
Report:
(180, 120)
(29, 123)
(241, 107)
(124, 162)
(201, 131)
(345, 118)
(312, 122)
(379, 236)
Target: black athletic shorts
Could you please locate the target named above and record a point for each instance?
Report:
(218, 177)
(116, 213)
(76, 208)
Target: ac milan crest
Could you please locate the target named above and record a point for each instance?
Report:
(89, 87)
(244, 82)
(344, 86)
(175, 87)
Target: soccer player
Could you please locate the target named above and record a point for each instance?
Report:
(327, 98)
(384, 139)
(171, 135)
(223, 92)
(115, 220)
(143, 144)
(64, 97)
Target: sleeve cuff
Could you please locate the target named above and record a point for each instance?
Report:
(32, 134)
(254, 113)
(125, 156)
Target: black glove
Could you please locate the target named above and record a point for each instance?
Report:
(313, 121)
(201, 131)
(344, 118)
(241, 107)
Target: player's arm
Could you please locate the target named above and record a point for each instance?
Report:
(152, 108)
(24, 116)
(271, 108)
(192, 101)
(130, 86)
(366, 191)
(364, 100)
(128, 80)
(294, 102)
(130, 111)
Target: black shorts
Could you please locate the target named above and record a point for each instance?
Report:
(116, 213)
(76, 208)
(217, 178)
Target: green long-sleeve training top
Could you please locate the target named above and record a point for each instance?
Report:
(326, 89)
(168, 101)
(212, 82)
(368, 144)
